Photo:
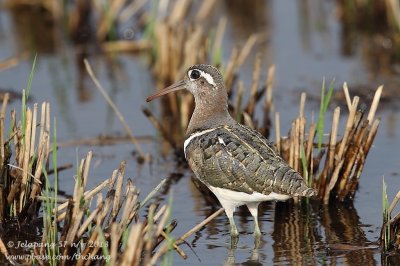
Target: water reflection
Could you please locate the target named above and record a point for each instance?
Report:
(341, 225)
(390, 259)
(83, 91)
(366, 28)
(35, 30)
(294, 234)
(247, 16)
(302, 237)
(302, 234)
(253, 259)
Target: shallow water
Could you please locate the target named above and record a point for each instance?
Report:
(304, 40)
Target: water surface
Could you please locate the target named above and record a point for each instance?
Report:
(304, 40)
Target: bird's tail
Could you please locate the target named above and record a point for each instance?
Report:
(309, 192)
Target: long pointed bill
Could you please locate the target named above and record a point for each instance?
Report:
(174, 87)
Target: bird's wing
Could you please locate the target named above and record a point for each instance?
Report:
(240, 159)
(213, 165)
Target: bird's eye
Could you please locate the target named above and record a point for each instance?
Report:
(194, 74)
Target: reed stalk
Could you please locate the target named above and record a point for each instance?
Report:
(343, 157)
(142, 156)
(390, 233)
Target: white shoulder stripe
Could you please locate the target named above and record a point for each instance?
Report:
(194, 135)
(221, 141)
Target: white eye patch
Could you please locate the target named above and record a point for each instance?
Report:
(203, 74)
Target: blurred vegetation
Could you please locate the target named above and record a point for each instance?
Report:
(175, 36)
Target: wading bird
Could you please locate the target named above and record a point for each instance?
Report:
(235, 162)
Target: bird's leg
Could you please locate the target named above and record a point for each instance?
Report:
(234, 242)
(253, 208)
(234, 231)
(257, 231)
(229, 209)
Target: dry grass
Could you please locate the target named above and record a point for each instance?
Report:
(97, 222)
(94, 226)
(23, 155)
(336, 169)
(89, 21)
(142, 157)
(98, 225)
(390, 232)
(102, 224)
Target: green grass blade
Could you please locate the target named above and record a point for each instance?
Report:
(125, 237)
(328, 97)
(25, 95)
(216, 56)
(31, 74)
(167, 259)
(104, 246)
(153, 192)
(23, 112)
(325, 100)
(55, 189)
(320, 124)
(149, 27)
(386, 217)
(50, 203)
(304, 165)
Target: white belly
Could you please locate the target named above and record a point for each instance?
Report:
(243, 198)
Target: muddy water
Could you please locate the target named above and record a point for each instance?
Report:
(305, 40)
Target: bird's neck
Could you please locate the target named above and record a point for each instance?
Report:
(208, 115)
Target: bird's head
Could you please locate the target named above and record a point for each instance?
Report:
(205, 82)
